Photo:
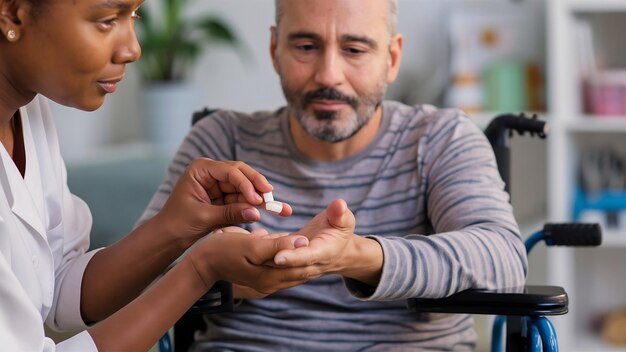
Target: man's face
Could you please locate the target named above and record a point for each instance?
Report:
(75, 52)
(335, 59)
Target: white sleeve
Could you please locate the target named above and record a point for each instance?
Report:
(81, 342)
(71, 259)
(21, 328)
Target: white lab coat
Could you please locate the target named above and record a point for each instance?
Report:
(44, 236)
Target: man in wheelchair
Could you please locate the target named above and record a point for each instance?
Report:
(398, 201)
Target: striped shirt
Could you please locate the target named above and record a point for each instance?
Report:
(426, 188)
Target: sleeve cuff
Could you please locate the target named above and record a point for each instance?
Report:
(80, 342)
(68, 315)
(384, 291)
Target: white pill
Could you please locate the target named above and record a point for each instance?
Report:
(274, 207)
(268, 197)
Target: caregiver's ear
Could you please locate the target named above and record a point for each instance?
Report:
(14, 16)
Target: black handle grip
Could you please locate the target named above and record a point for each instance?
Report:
(523, 124)
(572, 234)
(501, 127)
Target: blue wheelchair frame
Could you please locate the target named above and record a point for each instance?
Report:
(523, 309)
(539, 330)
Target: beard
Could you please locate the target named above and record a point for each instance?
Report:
(331, 126)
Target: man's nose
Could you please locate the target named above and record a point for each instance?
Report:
(330, 69)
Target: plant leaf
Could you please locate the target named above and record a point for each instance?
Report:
(171, 45)
(218, 30)
(215, 29)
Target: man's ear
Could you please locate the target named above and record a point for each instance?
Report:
(273, 47)
(395, 57)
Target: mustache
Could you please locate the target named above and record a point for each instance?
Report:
(329, 94)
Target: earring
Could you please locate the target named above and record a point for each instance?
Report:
(11, 35)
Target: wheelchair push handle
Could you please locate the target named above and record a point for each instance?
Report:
(502, 127)
(573, 234)
(499, 131)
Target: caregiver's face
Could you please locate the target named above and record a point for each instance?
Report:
(75, 52)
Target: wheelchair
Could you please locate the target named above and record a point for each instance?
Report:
(523, 310)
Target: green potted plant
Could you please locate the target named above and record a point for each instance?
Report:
(171, 44)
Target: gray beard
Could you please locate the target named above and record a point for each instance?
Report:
(324, 125)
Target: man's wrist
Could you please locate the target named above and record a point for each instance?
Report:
(365, 261)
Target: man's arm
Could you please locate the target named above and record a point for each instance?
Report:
(476, 242)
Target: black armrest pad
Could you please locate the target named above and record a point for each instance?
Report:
(526, 301)
(219, 299)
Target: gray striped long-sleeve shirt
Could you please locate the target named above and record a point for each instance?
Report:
(427, 189)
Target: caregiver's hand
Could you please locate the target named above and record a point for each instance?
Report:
(212, 194)
(244, 292)
(213, 259)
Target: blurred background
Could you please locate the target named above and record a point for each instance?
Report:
(564, 60)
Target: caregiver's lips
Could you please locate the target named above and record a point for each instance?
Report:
(110, 85)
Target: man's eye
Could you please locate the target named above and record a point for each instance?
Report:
(135, 15)
(305, 47)
(354, 51)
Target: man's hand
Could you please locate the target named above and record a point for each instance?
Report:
(334, 248)
(212, 194)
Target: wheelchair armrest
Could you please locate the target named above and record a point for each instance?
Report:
(219, 299)
(522, 301)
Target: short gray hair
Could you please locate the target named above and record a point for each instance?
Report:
(393, 14)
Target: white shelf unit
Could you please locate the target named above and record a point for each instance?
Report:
(594, 278)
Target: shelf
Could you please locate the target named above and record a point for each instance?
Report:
(597, 5)
(598, 124)
(584, 273)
